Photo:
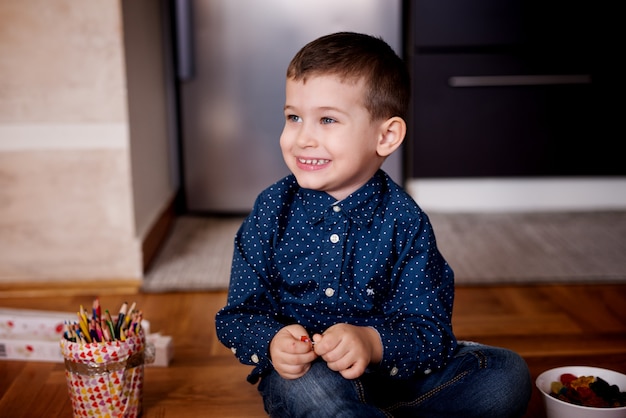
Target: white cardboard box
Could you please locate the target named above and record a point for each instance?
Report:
(32, 335)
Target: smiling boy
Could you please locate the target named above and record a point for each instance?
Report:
(334, 146)
(339, 296)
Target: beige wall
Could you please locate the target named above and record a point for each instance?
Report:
(83, 138)
(151, 179)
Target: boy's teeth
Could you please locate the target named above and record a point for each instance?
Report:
(314, 162)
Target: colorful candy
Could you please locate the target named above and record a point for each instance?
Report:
(588, 391)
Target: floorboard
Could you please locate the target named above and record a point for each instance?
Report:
(549, 325)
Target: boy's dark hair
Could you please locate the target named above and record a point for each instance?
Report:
(352, 56)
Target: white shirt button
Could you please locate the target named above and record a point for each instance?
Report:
(428, 371)
(394, 371)
(336, 208)
(254, 358)
(329, 291)
(334, 238)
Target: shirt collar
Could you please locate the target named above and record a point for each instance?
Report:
(359, 206)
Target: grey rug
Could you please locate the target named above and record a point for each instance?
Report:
(196, 256)
(534, 247)
(482, 248)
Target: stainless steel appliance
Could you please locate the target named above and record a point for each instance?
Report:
(233, 55)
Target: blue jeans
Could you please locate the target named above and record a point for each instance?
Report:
(480, 381)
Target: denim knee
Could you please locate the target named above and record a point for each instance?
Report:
(479, 382)
(501, 385)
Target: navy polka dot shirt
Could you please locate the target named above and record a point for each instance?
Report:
(369, 260)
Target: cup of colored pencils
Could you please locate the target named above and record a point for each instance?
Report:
(104, 361)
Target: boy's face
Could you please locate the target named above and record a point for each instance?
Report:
(329, 141)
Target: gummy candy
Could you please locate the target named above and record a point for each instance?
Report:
(582, 382)
(567, 378)
(587, 391)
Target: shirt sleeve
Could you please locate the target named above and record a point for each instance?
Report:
(249, 320)
(418, 337)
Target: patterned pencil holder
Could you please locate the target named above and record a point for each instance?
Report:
(105, 379)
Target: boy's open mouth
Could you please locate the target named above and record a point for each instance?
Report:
(313, 161)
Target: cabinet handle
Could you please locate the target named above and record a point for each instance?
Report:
(517, 80)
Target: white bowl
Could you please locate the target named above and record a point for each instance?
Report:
(556, 408)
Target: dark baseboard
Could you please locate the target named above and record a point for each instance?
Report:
(69, 287)
(159, 232)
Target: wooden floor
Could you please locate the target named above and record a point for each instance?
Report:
(549, 326)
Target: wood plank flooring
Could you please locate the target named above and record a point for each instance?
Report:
(549, 325)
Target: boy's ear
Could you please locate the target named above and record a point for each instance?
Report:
(392, 132)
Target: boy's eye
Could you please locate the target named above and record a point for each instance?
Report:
(327, 120)
(293, 118)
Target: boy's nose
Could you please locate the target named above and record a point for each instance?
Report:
(305, 138)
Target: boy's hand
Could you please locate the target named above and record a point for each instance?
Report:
(349, 349)
(290, 356)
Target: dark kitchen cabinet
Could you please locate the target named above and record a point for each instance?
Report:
(513, 89)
